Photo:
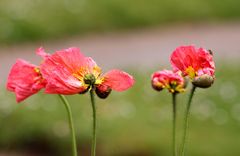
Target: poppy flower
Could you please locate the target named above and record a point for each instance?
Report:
(196, 63)
(25, 80)
(192, 61)
(174, 82)
(69, 72)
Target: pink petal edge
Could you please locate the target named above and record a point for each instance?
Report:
(118, 80)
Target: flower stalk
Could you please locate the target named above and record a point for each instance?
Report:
(71, 125)
(94, 134)
(186, 121)
(174, 147)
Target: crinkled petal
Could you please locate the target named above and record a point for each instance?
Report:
(183, 57)
(24, 80)
(118, 80)
(206, 62)
(91, 67)
(90, 63)
(59, 68)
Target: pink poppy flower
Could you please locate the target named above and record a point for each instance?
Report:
(169, 80)
(192, 61)
(25, 80)
(68, 72)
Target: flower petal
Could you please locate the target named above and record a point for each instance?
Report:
(91, 66)
(206, 62)
(118, 80)
(183, 57)
(24, 80)
(58, 69)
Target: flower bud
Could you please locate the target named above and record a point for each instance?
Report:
(174, 82)
(103, 91)
(203, 81)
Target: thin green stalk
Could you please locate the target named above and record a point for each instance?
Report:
(174, 148)
(186, 121)
(71, 125)
(94, 135)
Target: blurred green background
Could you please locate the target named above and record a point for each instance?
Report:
(40, 19)
(133, 123)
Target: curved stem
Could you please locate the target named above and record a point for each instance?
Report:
(71, 125)
(186, 118)
(94, 135)
(174, 149)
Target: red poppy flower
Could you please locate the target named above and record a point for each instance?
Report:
(192, 61)
(169, 80)
(70, 72)
(25, 80)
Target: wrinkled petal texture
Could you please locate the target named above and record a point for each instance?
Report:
(206, 63)
(25, 80)
(166, 77)
(118, 80)
(189, 56)
(59, 70)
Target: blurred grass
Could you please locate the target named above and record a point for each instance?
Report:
(135, 122)
(28, 20)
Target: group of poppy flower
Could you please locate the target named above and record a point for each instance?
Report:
(68, 72)
(64, 72)
(189, 61)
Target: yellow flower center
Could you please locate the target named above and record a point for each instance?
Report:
(83, 71)
(37, 70)
(191, 72)
(174, 87)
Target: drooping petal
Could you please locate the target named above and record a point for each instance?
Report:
(59, 69)
(118, 80)
(25, 80)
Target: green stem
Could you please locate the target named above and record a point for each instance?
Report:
(94, 135)
(71, 125)
(186, 122)
(174, 150)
